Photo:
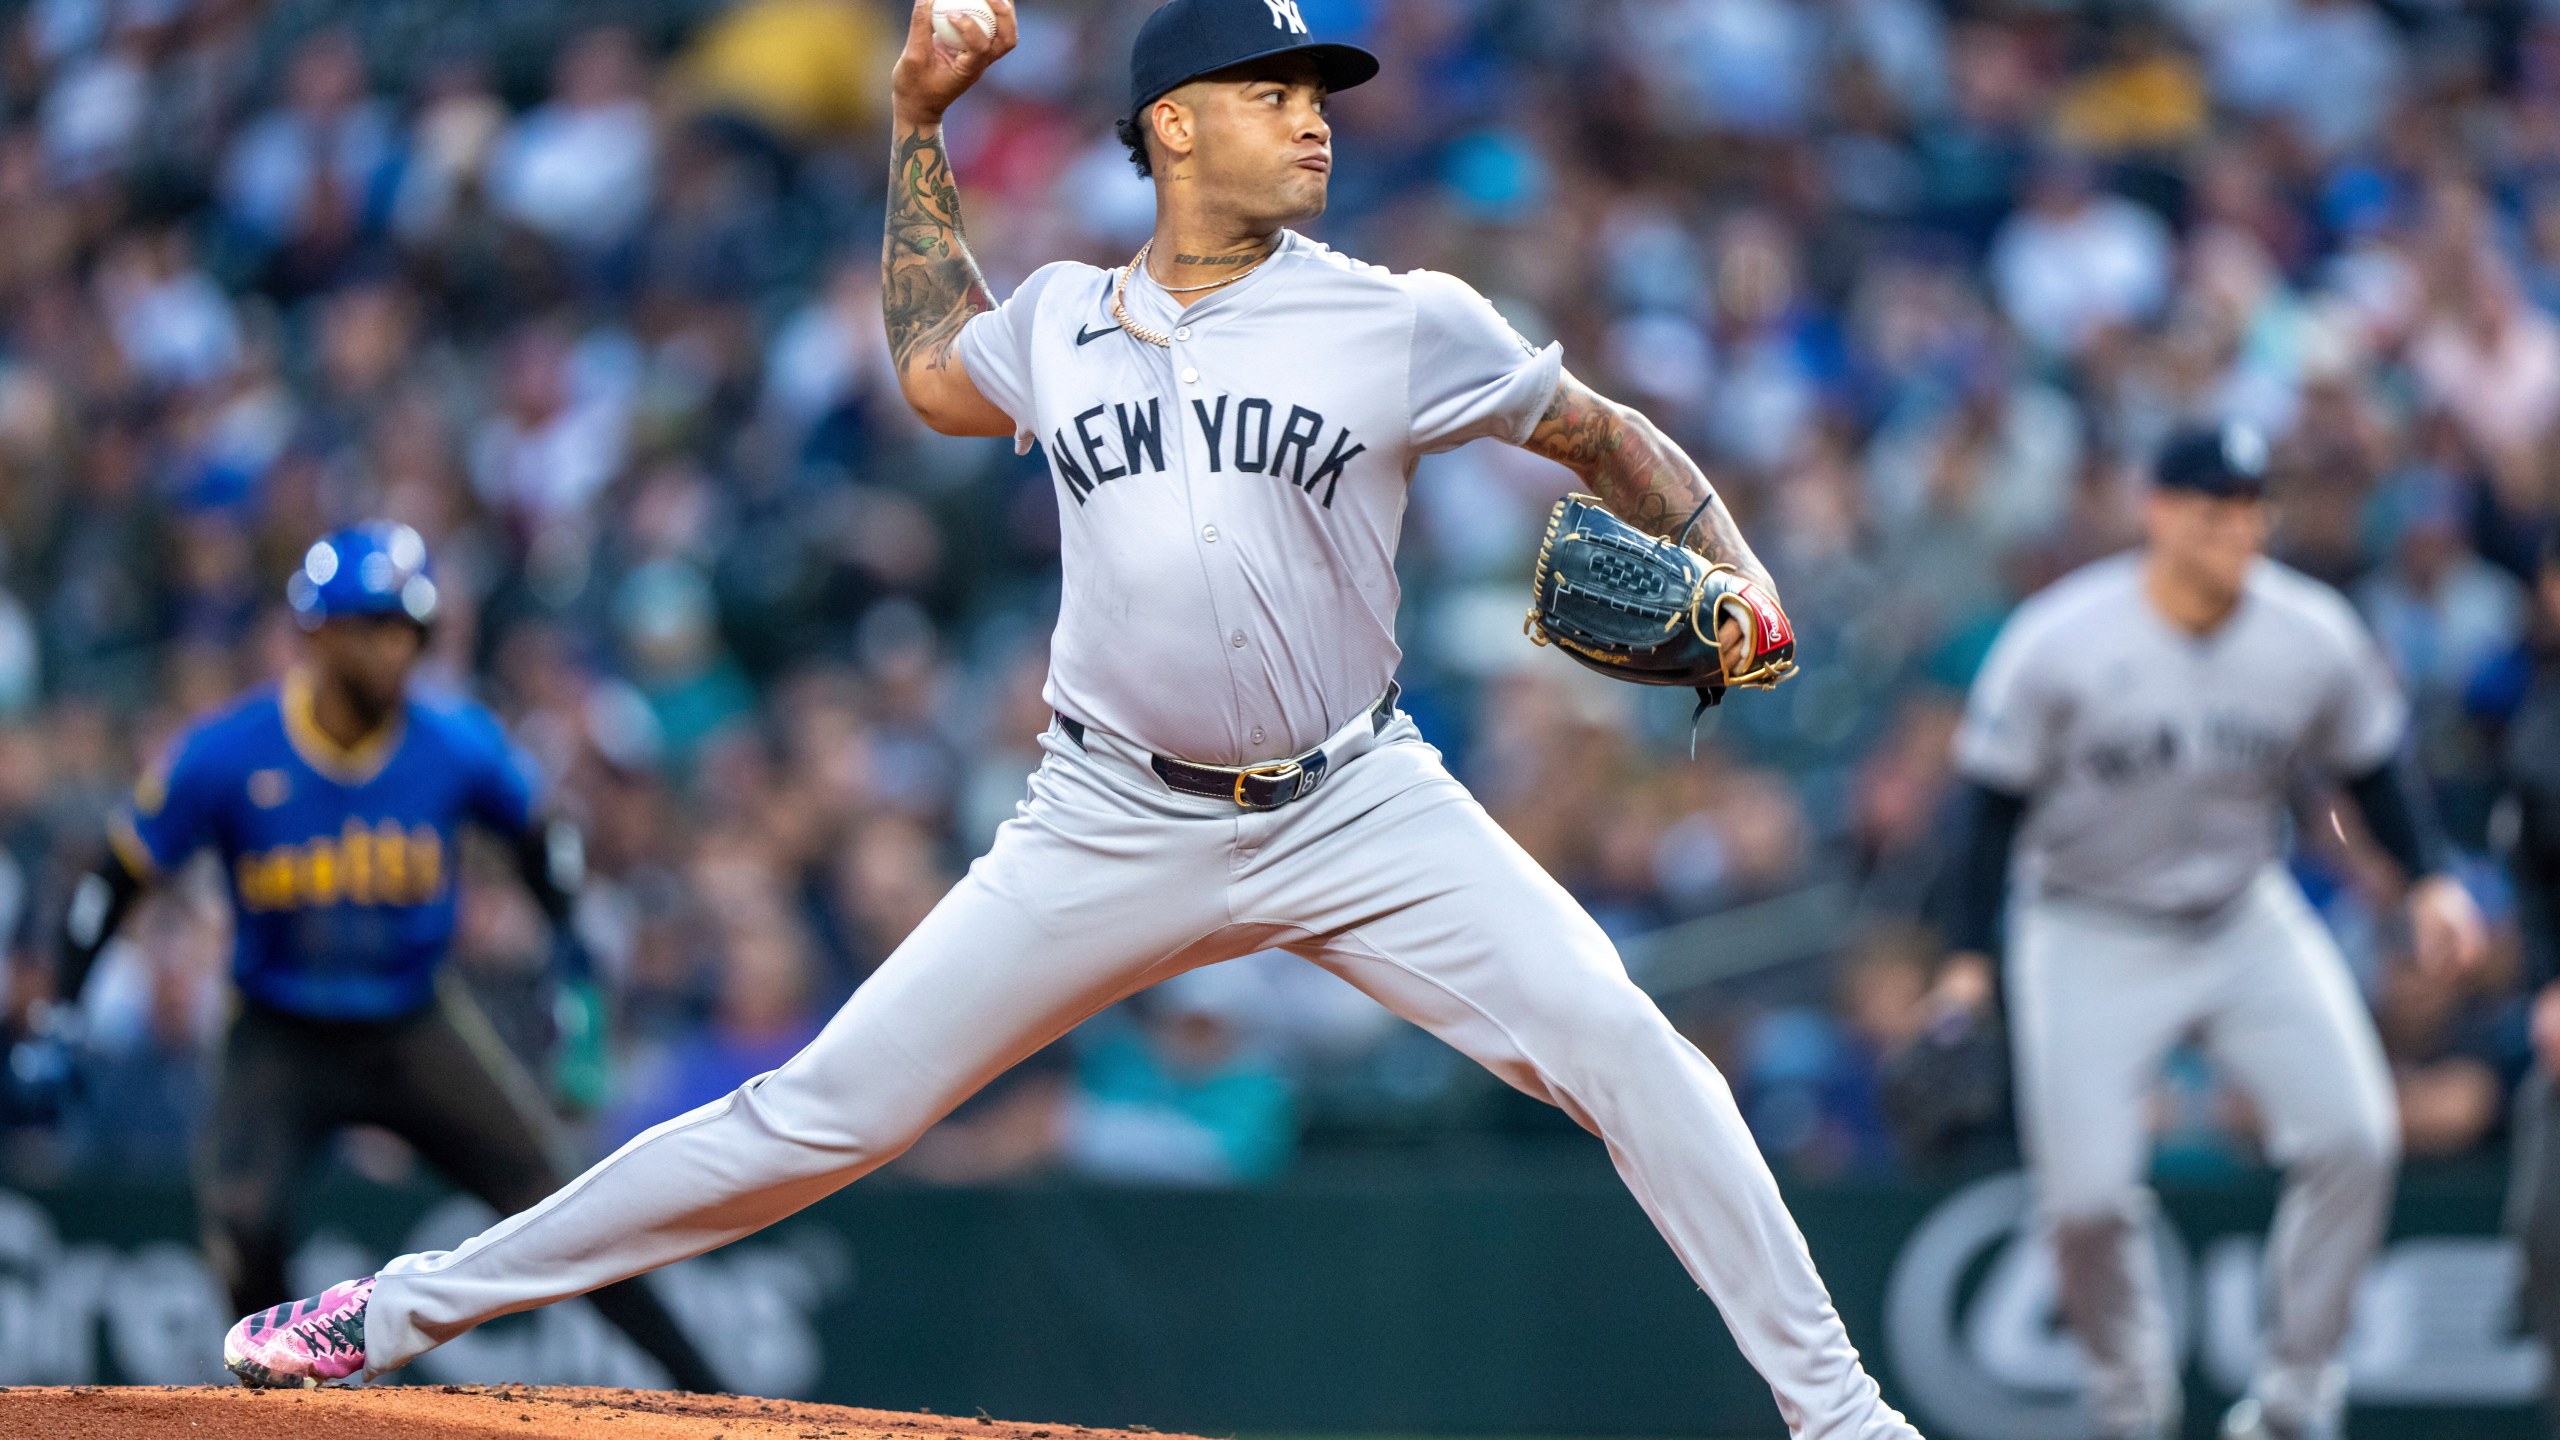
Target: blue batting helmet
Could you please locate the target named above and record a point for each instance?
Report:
(376, 569)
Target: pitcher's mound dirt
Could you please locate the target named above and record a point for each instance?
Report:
(475, 1412)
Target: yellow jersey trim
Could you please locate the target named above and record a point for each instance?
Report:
(347, 764)
(126, 841)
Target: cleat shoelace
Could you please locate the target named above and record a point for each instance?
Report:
(307, 1341)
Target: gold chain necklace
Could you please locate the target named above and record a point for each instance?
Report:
(1158, 338)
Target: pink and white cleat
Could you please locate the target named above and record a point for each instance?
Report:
(305, 1344)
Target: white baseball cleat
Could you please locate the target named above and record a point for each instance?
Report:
(2249, 1420)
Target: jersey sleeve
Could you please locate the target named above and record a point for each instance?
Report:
(176, 808)
(504, 790)
(997, 347)
(2011, 737)
(1471, 376)
(2364, 714)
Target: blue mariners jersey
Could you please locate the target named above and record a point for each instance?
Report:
(341, 861)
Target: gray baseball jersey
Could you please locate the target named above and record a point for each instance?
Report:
(1231, 505)
(2159, 763)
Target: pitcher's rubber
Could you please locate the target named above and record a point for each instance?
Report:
(476, 1412)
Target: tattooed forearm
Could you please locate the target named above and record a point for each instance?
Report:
(1640, 475)
(929, 284)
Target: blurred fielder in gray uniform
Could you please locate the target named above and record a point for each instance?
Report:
(2133, 744)
(2533, 775)
(2134, 741)
(1232, 420)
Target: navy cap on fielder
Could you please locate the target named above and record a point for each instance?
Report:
(2228, 461)
(1187, 39)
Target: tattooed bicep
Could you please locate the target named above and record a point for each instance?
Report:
(1581, 428)
(1636, 471)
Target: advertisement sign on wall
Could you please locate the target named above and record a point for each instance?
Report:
(1970, 1321)
(1519, 1304)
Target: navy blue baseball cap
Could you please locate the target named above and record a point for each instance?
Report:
(1187, 39)
(2228, 461)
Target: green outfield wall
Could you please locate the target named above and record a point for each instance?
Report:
(1405, 1297)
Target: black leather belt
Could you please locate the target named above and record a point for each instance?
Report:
(1253, 787)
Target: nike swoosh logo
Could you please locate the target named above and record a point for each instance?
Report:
(1087, 337)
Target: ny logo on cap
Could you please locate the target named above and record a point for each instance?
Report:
(1285, 16)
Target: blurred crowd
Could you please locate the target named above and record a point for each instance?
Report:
(587, 293)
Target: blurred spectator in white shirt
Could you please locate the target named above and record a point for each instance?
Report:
(1998, 450)
(2076, 260)
(460, 121)
(2489, 357)
(94, 114)
(830, 354)
(1733, 65)
(1904, 42)
(318, 171)
(2439, 610)
(172, 323)
(579, 169)
(2330, 67)
(554, 442)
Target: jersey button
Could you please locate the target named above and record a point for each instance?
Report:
(1210, 534)
(1237, 639)
(1257, 734)
(1182, 334)
(1190, 377)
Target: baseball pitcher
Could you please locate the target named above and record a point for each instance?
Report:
(2134, 740)
(1232, 420)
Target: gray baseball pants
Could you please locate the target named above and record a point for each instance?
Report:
(2098, 998)
(1107, 882)
(2533, 1218)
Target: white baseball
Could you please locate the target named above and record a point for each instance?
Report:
(948, 27)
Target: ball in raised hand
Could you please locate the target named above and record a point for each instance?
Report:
(964, 24)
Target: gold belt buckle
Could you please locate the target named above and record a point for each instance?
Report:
(1285, 767)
